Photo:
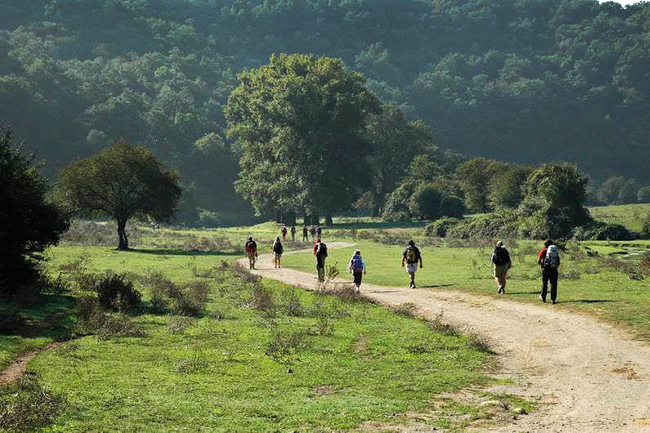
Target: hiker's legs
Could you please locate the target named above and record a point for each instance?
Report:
(545, 278)
(553, 275)
(412, 274)
(504, 277)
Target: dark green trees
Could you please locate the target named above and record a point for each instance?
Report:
(121, 182)
(29, 223)
(301, 121)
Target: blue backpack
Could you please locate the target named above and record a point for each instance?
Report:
(357, 263)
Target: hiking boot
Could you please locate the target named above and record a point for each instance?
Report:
(542, 299)
(553, 301)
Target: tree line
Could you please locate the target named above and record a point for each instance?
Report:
(521, 82)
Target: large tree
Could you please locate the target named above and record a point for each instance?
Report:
(121, 182)
(301, 122)
(29, 223)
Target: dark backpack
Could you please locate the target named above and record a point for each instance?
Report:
(411, 255)
(322, 250)
(552, 258)
(357, 263)
(500, 256)
(277, 248)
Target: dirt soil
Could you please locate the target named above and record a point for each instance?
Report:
(586, 375)
(18, 368)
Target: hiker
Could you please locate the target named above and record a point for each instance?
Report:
(319, 231)
(283, 231)
(411, 257)
(320, 251)
(502, 262)
(293, 233)
(312, 231)
(251, 250)
(357, 267)
(278, 249)
(549, 259)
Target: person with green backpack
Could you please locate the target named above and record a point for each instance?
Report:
(410, 259)
(549, 259)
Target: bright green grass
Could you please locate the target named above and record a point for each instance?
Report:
(374, 364)
(629, 215)
(585, 284)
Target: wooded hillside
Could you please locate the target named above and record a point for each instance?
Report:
(523, 81)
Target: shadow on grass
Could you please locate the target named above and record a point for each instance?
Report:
(181, 252)
(50, 317)
(586, 301)
(438, 286)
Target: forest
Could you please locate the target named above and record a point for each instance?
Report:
(519, 81)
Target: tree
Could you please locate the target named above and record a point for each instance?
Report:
(301, 123)
(506, 187)
(475, 177)
(395, 142)
(29, 223)
(122, 182)
(555, 197)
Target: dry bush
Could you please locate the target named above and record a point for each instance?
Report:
(198, 290)
(407, 309)
(243, 273)
(178, 324)
(285, 345)
(262, 300)
(106, 326)
(479, 342)
(644, 264)
(26, 405)
(115, 292)
(440, 326)
(291, 303)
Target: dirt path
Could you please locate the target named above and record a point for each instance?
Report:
(587, 376)
(17, 369)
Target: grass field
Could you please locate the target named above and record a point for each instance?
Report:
(227, 368)
(611, 283)
(629, 215)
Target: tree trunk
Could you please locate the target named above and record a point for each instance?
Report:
(291, 218)
(123, 240)
(328, 220)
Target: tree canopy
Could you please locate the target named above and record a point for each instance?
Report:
(122, 182)
(301, 123)
(29, 222)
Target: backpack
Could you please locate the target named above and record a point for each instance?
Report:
(322, 250)
(251, 247)
(500, 256)
(552, 259)
(277, 248)
(357, 263)
(411, 255)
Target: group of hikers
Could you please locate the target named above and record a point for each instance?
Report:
(548, 258)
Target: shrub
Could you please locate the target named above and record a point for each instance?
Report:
(87, 306)
(601, 231)
(645, 228)
(439, 228)
(115, 292)
(494, 225)
(290, 302)
(27, 405)
(10, 321)
(107, 326)
(407, 309)
(262, 299)
(284, 346)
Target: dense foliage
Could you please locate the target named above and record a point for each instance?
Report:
(121, 182)
(524, 82)
(29, 223)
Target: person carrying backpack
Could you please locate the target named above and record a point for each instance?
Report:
(410, 258)
(283, 231)
(305, 233)
(251, 250)
(278, 249)
(293, 233)
(501, 261)
(358, 268)
(320, 251)
(549, 259)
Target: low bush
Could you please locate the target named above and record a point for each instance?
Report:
(439, 227)
(290, 302)
(27, 405)
(10, 321)
(285, 345)
(106, 326)
(115, 292)
(502, 223)
(407, 309)
(601, 231)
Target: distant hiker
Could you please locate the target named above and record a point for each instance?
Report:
(312, 231)
(358, 268)
(283, 231)
(278, 249)
(501, 261)
(320, 251)
(411, 257)
(251, 251)
(305, 233)
(549, 259)
(293, 233)
(319, 231)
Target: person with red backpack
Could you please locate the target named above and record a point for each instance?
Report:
(251, 250)
(502, 262)
(283, 231)
(320, 251)
(410, 258)
(358, 268)
(549, 259)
